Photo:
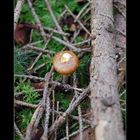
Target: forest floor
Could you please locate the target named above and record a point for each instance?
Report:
(33, 74)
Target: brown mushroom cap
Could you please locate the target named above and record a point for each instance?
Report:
(65, 62)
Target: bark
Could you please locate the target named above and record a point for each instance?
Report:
(105, 105)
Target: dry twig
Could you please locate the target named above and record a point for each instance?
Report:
(42, 32)
(18, 131)
(17, 11)
(84, 28)
(21, 103)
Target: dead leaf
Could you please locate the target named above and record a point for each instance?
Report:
(39, 85)
(22, 33)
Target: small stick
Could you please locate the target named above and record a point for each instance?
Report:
(18, 131)
(17, 11)
(52, 15)
(80, 123)
(31, 36)
(82, 43)
(46, 101)
(62, 118)
(55, 83)
(56, 31)
(21, 103)
(53, 105)
(32, 44)
(38, 57)
(79, 109)
(38, 112)
(67, 129)
(70, 46)
(81, 11)
(29, 47)
(84, 28)
(57, 109)
(88, 9)
(42, 32)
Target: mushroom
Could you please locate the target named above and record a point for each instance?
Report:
(65, 62)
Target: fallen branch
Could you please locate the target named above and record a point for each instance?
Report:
(104, 98)
(21, 103)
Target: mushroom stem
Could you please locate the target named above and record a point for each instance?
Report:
(65, 79)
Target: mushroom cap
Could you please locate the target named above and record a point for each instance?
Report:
(65, 62)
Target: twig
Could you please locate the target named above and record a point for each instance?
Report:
(70, 46)
(34, 43)
(87, 10)
(75, 133)
(37, 114)
(52, 15)
(82, 43)
(31, 36)
(30, 77)
(40, 66)
(55, 83)
(21, 103)
(18, 131)
(38, 57)
(67, 128)
(80, 123)
(54, 19)
(56, 31)
(57, 109)
(46, 101)
(42, 32)
(17, 11)
(79, 108)
(81, 11)
(62, 118)
(53, 105)
(31, 47)
(84, 28)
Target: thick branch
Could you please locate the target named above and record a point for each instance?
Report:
(104, 93)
